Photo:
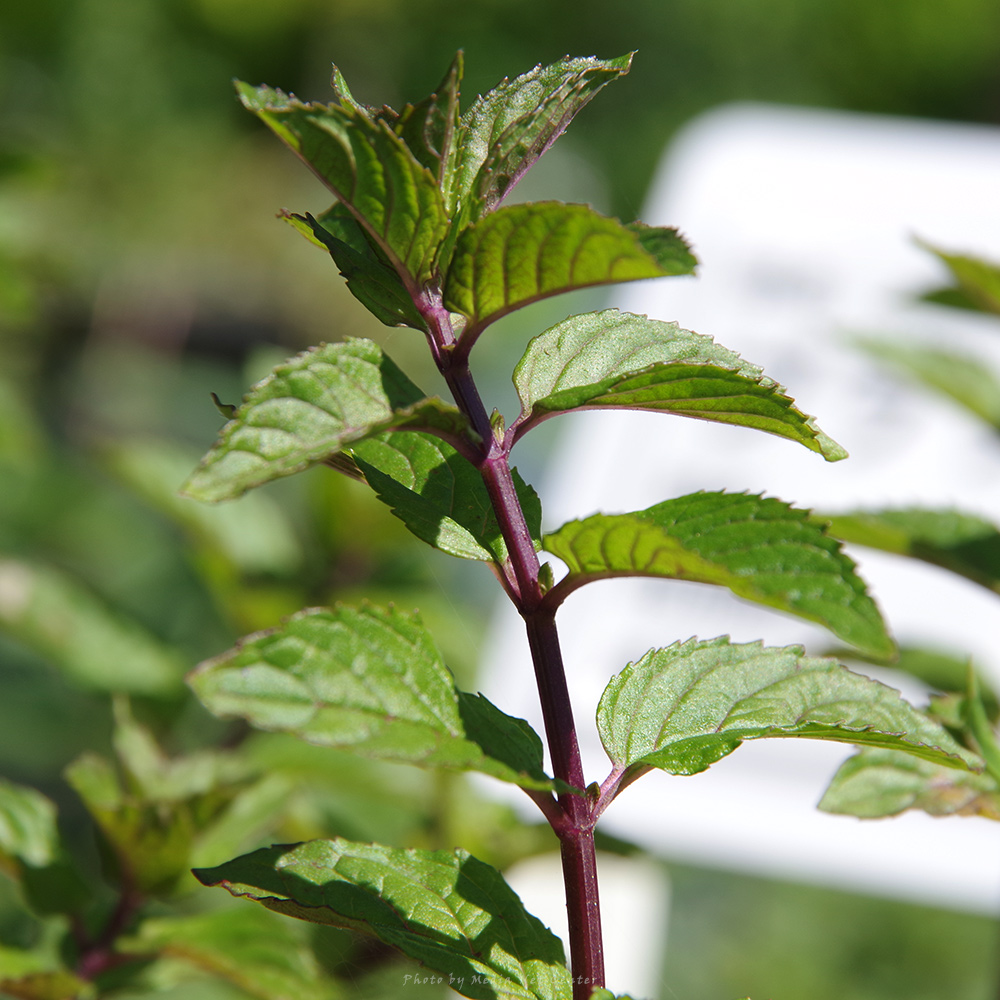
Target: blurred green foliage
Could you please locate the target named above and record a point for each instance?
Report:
(140, 269)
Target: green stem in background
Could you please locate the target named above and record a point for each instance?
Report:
(573, 823)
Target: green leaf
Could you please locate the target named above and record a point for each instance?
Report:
(370, 278)
(962, 543)
(523, 253)
(152, 809)
(256, 951)
(616, 359)
(439, 495)
(27, 825)
(876, 783)
(369, 168)
(370, 680)
(684, 707)
(447, 910)
(56, 615)
(310, 408)
(57, 985)
(760, 548)
(964, 379)
(505, 132)
(978, 280)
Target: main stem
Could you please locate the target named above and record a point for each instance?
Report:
(574, 822)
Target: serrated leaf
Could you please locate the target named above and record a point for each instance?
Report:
(616, 359)
(965, 379)
(978, 279)
(876, 783)
(684, 707)
(504, 132)
(447, 910)
(370, 278)
(372, 681)
(962, 543)
(310, 408)
(256, 951)
(59, 617)
(27, 825)
(369, 168)
(523, 253)
(439, 495)
(761, 548)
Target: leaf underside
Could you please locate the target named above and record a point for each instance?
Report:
(439, 495)
(447, 910)
(962, 543)
(370, 680)
(684, 707)
(761, 548)
(616, 359)
(309, 409)
(877, 783)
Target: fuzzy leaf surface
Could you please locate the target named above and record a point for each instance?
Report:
(370, 278)
(27, 825)
(761, 548)
(963, 543)
(447, 910)
(964, 379)
(523, 253)
(876, 783)
(249, 947)
(616, 359)
(439, 495)
(685, 707)
(372, 681)
(368, 167)
(503, 133)
(310, 408)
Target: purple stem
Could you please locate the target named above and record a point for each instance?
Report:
(572, 817)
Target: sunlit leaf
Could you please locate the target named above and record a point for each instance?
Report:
(684, 707)
(370, 680)
(616, 359)
(760, 548)
(310, 408)
(966, 380)
(504, 132)
(523, 253)
(369, 168)
(60, 618)
(876, 783)
(439, 495)
(56, 985)
(962, 543)
(447, 910)
(27, 825)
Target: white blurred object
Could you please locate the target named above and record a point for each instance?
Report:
(804, 224)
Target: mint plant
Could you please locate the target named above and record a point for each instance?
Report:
(876, 783)
(420, 230)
